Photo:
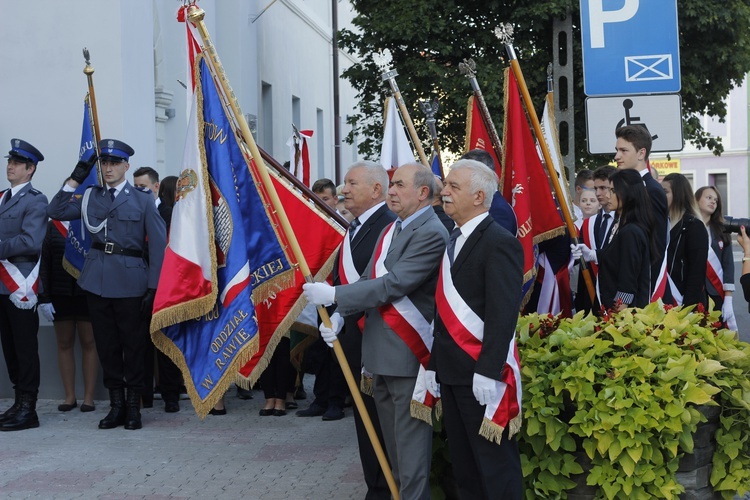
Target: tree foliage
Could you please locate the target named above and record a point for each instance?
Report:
(429, 38)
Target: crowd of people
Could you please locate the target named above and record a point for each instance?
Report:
(424, 296)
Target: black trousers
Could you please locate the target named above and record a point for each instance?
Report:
(483, 469)
(18, 333)
(170, 378)
(275, 378)
(120, 334)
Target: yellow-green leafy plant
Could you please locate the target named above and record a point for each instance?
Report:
(621, 393)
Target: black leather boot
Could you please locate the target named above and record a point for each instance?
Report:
(116, 415)
(8, 414)
(134, 411)
(25, 417)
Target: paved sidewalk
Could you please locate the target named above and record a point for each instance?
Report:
(176, 455)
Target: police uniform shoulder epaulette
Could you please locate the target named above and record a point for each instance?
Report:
(34, 191)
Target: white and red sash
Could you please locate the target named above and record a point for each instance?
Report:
(714, 270)
(586, 233)
(22, 288)
(467, 330)
(407, 322)
(347, 271)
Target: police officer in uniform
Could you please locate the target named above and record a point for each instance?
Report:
(118, 275)
(23, 224)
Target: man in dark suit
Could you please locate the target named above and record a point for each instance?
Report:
(365, 186)
(477, 303)
(120, 281)
(437, 205)
(170, 378)
(397, 289)
(22, 230)
(632, 150)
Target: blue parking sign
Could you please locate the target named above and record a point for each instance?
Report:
(630, 47)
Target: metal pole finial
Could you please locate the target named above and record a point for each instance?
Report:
(468, 68)
(504, 33)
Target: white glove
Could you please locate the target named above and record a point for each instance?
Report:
(330, 334)
(431, 383)
(581, 250)
(320, 294)
(47, 310)
(485, 388)
(727, 311)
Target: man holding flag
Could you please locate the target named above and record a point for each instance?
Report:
(21, 236)
(120, 281)
(396, 292)
(474, 356)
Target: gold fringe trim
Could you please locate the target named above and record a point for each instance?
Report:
(552, 233)
(70, 268)
(365, 385)
(308, 330)
(269, 288)
(469, 117)
(420, 411)
(494, 433)
(282, 330)
(197, 307)
(202, 407)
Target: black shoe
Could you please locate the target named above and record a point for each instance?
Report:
(278, 413)
(171, 406)
(266, 412)
(116, 415)
(333, 413)
(291, 405)
(214, 411)
(314, 410)
(67, 407)
(244, 393)
(300, 393)
(133, 420)
(25, 417)
(10, 412)
(87, 408)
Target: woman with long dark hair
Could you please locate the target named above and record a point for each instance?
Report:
(625, 262)
(720, 266)
(688, 245)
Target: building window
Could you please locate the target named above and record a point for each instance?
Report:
(719, 181)
(266, 117)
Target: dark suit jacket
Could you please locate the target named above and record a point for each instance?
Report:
(686, 259)
(488, 274)
(624, 268)
(166, 213)
(363, 247)
(444, 218)
(503, 213)
(660, 212)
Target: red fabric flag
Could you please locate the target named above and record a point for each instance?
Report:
(524, 182)
(319, 236)
(477, 136)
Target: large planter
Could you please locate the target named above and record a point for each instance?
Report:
(647, 403)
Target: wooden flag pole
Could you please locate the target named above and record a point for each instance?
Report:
(383, 59)
(89, 72)
(195, 16)
(430, 109)
(468, 68)
(505, 34)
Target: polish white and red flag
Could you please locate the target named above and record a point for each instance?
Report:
(395, 149)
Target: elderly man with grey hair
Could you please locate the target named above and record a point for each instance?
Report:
(473, 355)
(397, 294)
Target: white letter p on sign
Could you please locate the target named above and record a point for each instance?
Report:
(598, 17)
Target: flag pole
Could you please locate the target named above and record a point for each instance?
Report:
(89, 72)
(383, 60)
(430, 109)
(195, 16)
(505, 34)
(468, 69)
